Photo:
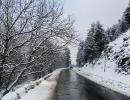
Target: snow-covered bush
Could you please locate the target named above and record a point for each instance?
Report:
(46, 84)
(118, 51)
(17, 94)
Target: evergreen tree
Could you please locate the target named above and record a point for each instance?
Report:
(113, 32)
(122, 26)
(67, 57)
(126, 15)
(95, 42)
(80, 55)
(116, 30)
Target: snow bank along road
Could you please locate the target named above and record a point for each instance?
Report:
(42, 89)
(75, 87)
(64, 84)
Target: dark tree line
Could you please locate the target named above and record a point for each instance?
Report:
(91, 48)
(67, 60)
(98, 38)
(122, 26)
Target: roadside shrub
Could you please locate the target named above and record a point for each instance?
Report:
(123, 65)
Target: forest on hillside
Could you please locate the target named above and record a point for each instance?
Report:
(96, 43)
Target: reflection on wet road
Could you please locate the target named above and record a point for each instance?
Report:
(70, 87)
(75, 87)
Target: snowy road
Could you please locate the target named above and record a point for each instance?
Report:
(75, 87)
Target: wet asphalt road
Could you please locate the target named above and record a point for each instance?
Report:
(75, 87)
(70, 87)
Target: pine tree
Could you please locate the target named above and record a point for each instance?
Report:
(127, 14)
(116, 30)
(95, 42)
(80, 55)
(67, 57)
(122, 26)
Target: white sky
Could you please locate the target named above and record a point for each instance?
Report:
(87, 11)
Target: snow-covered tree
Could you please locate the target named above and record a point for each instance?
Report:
(30, 34)
(116, 30)
(80, 55)
(121, 27)
(95, 42)
(67, 59)
(126, 15)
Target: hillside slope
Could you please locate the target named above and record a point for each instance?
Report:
(112, 69)
(118, 52)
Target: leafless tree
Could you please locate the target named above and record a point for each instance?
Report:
(30, 31)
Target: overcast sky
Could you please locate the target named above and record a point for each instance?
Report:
(87, 11)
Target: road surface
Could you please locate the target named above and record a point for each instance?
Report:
(75, 87)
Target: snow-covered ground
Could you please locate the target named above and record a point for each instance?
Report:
(108, 70)
(111, 80)
(40, 89)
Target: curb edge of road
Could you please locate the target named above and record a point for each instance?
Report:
(118, 92)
